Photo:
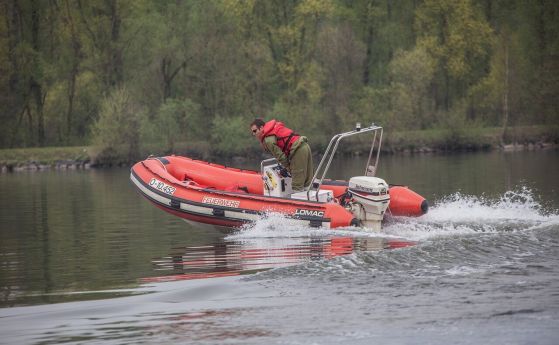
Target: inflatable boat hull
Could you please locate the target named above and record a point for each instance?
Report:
(214, 194)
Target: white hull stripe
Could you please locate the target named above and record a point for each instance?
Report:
(241, 215)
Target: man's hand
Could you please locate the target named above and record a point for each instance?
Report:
(284, 172)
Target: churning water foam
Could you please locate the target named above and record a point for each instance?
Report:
(456, 214)
(459, 214)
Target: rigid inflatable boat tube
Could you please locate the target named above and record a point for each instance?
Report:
(186, 201)
(406, 202)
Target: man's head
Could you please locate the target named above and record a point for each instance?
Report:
(256, 127)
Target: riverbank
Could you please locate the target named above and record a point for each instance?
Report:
(45, 158)
(409, 142)
(473, 139)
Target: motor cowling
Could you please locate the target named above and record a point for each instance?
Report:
(369, 199)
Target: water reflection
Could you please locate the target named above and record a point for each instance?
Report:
(230, 258)
(165, 327)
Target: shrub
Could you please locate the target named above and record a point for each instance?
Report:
(175, 121)
(231, 136)
(116, 133)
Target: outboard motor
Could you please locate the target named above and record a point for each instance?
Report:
(368, 200)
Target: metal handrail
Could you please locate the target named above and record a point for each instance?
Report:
(330, 155)
(371, 152)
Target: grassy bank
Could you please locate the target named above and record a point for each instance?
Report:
(446, 140)
(43, 157)
(433, 140)
(472, 139)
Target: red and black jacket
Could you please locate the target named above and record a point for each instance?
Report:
(285, 137)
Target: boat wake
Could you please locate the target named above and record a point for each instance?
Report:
(466, 233)
(454, 215)
(459, 214)
(462, 236)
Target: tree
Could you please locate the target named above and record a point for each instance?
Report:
(26, 66)
(176, 120)
(320, 65)
(229, 136)
(457, 36)
(117, 131)
(337, 79)
(412, 72)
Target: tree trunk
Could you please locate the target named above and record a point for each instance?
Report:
(29, 127)
(368, 56)
(16, 98)
(168, 76)
(115, 54)
(76, 48)
(35, 85)
(14, 25)
(506, 95)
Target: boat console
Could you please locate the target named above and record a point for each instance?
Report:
(277, 181)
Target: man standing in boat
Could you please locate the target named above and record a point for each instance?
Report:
(290, 149)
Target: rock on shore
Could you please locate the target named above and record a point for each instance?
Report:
(37, 166)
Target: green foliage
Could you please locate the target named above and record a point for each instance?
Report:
(373, 105)
(454, 124)
(455, 33)
(44, 155)
(185, 71)
(175, 121)
(412, 72)
(231, 136)
(116, 133)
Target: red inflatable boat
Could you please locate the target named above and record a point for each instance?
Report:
(214, 194)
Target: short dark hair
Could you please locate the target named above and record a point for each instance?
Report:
(258, 122)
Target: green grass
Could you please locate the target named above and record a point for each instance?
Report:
(468, 138)
(44, 155)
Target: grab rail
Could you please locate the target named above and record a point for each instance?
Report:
(331, 150)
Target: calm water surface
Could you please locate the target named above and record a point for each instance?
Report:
(85, 259)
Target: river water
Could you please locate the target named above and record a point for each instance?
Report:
(85, 259)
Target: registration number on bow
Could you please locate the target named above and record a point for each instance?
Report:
(165, 188)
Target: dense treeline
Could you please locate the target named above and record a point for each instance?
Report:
(128, 73)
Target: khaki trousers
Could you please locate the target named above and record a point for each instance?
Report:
(301, 167)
